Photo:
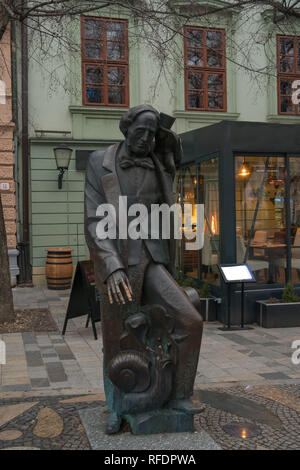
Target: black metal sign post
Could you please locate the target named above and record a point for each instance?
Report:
(83, 300)
(242, 304)
(235, 274)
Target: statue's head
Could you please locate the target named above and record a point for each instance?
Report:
(139, 126)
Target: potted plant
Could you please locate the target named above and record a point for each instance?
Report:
(185, 281)
(208, 303)
(276, 313)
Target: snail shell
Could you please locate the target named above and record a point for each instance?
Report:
(130, 371)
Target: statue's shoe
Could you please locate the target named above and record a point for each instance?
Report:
(185, 405)
(113, 423)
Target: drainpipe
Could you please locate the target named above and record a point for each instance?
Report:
(13, 254)
(26, 266)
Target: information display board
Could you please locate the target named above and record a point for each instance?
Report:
(236, 273)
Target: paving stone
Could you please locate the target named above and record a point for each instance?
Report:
(15, 388)
(40, 382)
(31, 347)
(85, 398)
(49, 424)
(237, 339)
(64, 353)
(239, 406)
(47, 355)
(278, 395)
(11, 380)
(29, 338)
(274, 376)
(62, 385)
(51, 358)
(44, 342)
(10, 435)
(56, 372)
(249, 352)
(34, 358)
(37, 372)
(7, 413)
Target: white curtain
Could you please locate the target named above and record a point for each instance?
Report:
(211, 206)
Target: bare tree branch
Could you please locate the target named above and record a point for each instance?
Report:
(158, 24)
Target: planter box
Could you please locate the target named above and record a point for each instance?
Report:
(208, 309)
(278, 315)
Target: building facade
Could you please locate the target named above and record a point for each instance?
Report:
(94, 83)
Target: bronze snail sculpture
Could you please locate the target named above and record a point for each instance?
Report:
(143, 373)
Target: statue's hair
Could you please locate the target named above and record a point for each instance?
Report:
(129, 117)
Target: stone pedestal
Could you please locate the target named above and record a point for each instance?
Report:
(94, 422)
(160, 421)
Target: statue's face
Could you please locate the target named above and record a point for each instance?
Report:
(141, 133)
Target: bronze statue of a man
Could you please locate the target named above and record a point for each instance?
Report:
(135, 273)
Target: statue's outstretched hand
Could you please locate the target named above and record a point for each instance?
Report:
(115, 282)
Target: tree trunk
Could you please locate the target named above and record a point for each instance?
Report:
(6, 298)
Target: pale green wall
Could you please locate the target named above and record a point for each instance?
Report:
(56, 215)
(251, 92)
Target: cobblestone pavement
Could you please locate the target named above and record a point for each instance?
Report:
(274, 410)
(35, 420)
(47, 361)
(245, 379)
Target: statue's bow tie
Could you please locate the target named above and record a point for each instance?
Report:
(127, 162)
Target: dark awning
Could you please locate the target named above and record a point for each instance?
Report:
(240, 137)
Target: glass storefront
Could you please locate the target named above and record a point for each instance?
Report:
(262, 216)
(247, 175)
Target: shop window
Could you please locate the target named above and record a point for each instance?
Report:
(199, 185)
(209, 196)
(295, 217)
(261, 216)
(205, 70)
(104, 61)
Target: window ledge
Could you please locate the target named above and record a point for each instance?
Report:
(204, 116)
(282, 119)
(102, 112)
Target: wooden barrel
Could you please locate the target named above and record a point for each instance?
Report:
(59, 268)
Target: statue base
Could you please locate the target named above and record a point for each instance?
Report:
(160, 421)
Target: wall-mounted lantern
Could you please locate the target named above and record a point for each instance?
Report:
(62, 156)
